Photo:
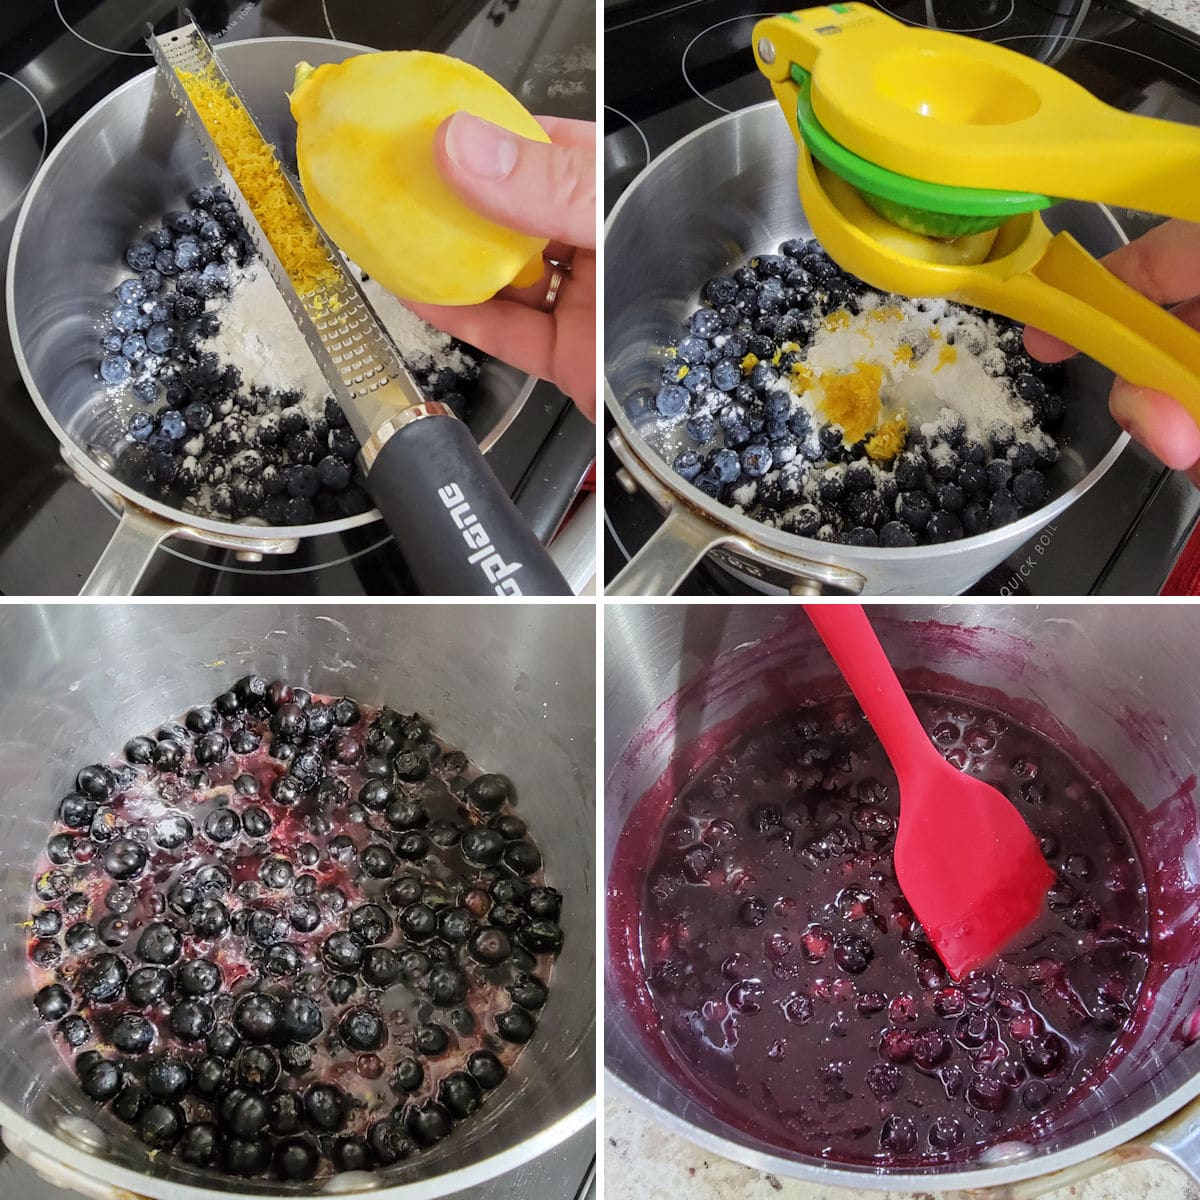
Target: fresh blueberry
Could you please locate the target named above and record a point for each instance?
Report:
(115, 369)
(140, 256)
(692, 350)
(672, 400)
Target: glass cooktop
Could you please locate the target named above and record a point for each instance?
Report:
(60, 57)
(674, 65)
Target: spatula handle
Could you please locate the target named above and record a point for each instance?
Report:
(851, 641)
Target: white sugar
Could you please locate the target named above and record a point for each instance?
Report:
(933, 356)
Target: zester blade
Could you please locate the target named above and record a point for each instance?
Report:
(359, 360)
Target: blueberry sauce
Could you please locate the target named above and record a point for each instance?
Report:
(794, 993)
(291, 933)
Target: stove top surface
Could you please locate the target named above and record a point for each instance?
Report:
(60, 57)
(674, 65)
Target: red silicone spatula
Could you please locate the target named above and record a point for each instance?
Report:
(965, 859)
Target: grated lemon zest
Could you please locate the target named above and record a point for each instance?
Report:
(749, 363)
(889, 439)
(851, 400)
(256, 171)
(947, 355)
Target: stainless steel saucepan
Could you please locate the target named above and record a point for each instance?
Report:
(725, 192)
(1121, 681)
(513, 686)
(121, 166)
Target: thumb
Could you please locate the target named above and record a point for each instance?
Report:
(535, 187)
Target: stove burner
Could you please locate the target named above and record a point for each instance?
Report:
(17, 165)
(626, 152)
(726, 59)
(96, 45)
(941, 14)
(1061, 41)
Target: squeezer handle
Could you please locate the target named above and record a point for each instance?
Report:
(1074, 297)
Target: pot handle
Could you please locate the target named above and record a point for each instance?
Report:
(1177, 1139)
(127, 555)
(664, 562)
(60, 1175)
(139, 534)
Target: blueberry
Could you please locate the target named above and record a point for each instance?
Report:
(428, 1124)
(222, 825)
(705, 323)
(161, 1125)
(325, 1107)
(258, 1016)
(343, 951)
(482, 847)
(1003, 509)
(914, 509)
(370, 924)
(944, 527)
(191, 1020)
(160, 338)
(168, 1078)
(125, 859)
(257, 1069)
(132, 1033)
(200, 1144)
(131, 291)
(362, 1029)
(115, 369)
(1029, 488)
(198, 977)
(209, 918)
(140, 256)
(160, 943)
(672, 400)
(101, 1080)
(301, 1019)
(720, 290)
(756, 461)
(687, 464)
(297, 1158)
(246, 1156)
(460, 1093)
(515, 1025)
(528, 991)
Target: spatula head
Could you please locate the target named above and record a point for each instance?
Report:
(968, 864)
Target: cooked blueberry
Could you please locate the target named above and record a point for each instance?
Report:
(460, 1094)
(446, 985)
(103, 979)
(431, 1039)
(301, 1019)
(388, 1141)
(168, 1078)
(246, 1156)
(209, 918)
(191, 1020)
(297, 1158)
(428, 1124)
(132, 1033)
(325, 1106)
(362, 1029)
(541, 937)
(486, 1069)
(257, 1069)
(256, 822)
(200, 1144)
(160, 943)
(515, 1025)
(222, 825)
(258, 1016)
(161, 1125)
(101, 1081)
(528, 991)
(52, 1002)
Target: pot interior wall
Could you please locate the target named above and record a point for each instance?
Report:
(513, 687)
(1109, 683)
(130, 159)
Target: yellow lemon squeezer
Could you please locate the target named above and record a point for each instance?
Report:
(910, 142)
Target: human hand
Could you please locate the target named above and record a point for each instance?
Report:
(546, 190)
(1164, 265)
